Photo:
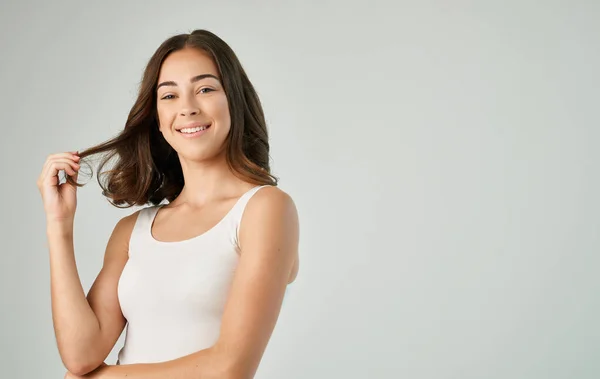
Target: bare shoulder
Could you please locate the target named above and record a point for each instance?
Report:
(119, 240)
(271, 196)
(128, 221)
(125, 224)
(271, 218)
(268, 203)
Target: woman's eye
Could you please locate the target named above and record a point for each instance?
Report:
(202, 90)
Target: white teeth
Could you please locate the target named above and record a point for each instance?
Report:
(193, 130)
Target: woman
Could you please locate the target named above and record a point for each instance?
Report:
(198, 280)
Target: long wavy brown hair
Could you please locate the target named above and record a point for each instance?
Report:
(146, 168)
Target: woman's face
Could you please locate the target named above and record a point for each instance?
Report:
(190, 96)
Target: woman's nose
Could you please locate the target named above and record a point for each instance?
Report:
(190, 107)
(188, 111)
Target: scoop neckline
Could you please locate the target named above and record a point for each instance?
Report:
(222, 220)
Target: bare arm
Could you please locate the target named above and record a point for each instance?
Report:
(86, 329)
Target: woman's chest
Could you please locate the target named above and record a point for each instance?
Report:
(179, 283)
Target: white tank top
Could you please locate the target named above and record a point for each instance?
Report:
(173, 294)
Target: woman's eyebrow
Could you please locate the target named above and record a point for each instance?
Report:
(192, 80)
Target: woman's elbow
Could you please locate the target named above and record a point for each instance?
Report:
(80, 367)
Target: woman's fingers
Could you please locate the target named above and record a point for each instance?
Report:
(52, 157)
(54, 166)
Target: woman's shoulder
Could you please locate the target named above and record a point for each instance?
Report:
(272, 192)
(270, 197)
(267, 202)
(271, 215)
(127, 223)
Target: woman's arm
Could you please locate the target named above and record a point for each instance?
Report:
(86, 329)
(204, 364)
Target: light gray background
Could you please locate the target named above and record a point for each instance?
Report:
(443, 157)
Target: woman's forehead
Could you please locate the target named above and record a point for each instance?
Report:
(186, 64)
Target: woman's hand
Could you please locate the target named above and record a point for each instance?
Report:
(60, 200)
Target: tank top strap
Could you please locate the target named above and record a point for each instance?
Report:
(236, 213)
(141, 228)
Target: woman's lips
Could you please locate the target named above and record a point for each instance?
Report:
(195, 134)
